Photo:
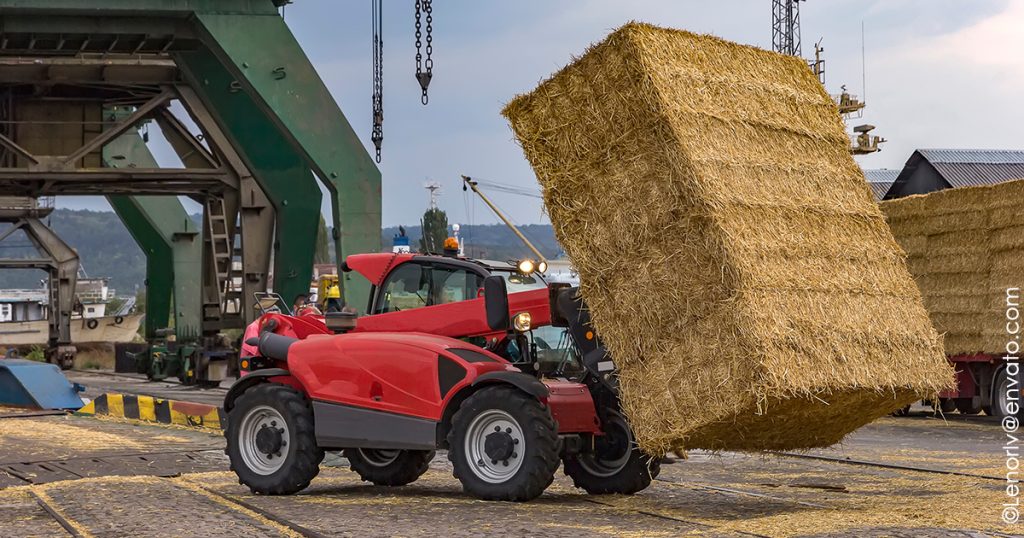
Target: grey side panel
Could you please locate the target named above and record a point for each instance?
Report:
(342, 426)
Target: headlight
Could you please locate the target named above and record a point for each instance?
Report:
(526, 267)
(521, 323)
(542, 267)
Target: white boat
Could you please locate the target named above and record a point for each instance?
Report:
(112, 329)
(24, 313)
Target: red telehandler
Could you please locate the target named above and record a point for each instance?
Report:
(483, 359)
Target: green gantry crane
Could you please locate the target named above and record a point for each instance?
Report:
(253, 126)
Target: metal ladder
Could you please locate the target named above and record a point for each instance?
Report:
(222, 250)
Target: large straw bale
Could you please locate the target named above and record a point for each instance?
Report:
(963, 273)
(729, 249)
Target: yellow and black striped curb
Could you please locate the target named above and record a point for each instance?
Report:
(150, 409)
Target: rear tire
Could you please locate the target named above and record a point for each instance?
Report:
(503, 445)
(1000, 402)
(389, 467)
(616, 465)
(271, 440)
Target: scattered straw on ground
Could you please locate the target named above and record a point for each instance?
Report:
(59, 431)
(729, 249)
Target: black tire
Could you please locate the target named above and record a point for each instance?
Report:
(902, 412)
(966, 406)
(389, 467)
(947, 405)
(295, 447)
(1000, 402)
(615, 466)
(530, 449)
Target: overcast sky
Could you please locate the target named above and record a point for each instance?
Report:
(940, 73)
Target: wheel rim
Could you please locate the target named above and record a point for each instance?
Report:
(378, 457)
(605, 467)
(263, 439)
(1001, 396)
(488, 437)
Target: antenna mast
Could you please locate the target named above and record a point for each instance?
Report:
(786, 27)
(435, 190)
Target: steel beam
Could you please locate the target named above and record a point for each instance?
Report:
(102, 181)
(281, 172)
(61, 263)
(283, 83)
(149, 8)
(170, 241)
(256, 214)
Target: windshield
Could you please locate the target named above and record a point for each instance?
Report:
(516, 282)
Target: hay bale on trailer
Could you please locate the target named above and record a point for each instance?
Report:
(731, 254)
(966, 247)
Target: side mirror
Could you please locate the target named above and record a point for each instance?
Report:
(496, 303)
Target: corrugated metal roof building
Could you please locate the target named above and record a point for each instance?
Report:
(880, 179)
(930, 170)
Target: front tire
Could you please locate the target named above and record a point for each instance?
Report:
(615, 465)
(271, 440)
(503, 445)
(389, 467)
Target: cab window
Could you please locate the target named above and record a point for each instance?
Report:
(413, 285)
(453, 284)
(407, 287)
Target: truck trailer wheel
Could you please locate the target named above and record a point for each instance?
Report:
(271, 441)
(389, 467)
(503, 445)
(1003, 394)
(615, 465)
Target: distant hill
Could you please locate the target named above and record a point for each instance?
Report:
(108, 250)
(491, 241)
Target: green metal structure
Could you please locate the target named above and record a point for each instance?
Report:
(251, 122)
(169, 238)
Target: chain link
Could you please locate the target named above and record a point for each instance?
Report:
(423, 76)
(378, 77)
(419, 44)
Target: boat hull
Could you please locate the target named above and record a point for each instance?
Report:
(112, 329)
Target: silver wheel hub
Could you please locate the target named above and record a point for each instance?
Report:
(495, 446)
(263, 439)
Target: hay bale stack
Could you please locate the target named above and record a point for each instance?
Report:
(729, 249)
(966, 247)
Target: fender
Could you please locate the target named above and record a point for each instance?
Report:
(524, 382)
(253, 378)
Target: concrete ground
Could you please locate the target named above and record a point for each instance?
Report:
(83, 476)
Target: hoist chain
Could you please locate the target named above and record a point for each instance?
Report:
(424, 69)
(378, 77)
